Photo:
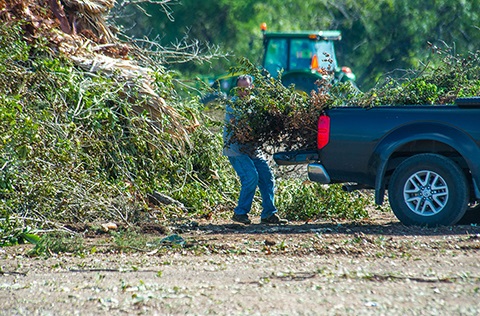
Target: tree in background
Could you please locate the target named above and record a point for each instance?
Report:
(391, 36)
(380, 37)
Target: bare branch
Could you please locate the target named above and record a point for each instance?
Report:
(164, 4)
(183, 51)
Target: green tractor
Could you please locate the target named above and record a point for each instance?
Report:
(301, 58)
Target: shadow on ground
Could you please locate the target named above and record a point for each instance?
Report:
(391, 228)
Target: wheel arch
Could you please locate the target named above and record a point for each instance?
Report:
(429, 190)
(418, 138)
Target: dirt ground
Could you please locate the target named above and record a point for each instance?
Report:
(376, 267)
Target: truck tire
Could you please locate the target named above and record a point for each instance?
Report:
(428, 190)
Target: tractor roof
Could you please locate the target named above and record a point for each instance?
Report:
(329, 35)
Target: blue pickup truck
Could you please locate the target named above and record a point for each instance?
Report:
(426, 157)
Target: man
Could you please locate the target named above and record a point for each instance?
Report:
(250, 166)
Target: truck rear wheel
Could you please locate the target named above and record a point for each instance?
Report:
(428, 190)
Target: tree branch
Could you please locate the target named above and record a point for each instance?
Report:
(59, 13)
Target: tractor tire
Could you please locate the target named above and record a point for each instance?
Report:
(303, 81)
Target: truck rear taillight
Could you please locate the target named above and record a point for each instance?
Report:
(323, 131)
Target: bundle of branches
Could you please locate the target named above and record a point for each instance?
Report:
(279, 116)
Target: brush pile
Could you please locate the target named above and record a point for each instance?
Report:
(78, 30)
(89, 130)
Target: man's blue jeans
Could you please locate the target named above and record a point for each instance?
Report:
(254, 172)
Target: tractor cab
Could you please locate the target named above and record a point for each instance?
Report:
(303, 57)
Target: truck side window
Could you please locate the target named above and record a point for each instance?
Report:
(275, 57)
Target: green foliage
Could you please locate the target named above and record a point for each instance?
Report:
(57, 242)
(298, 200)
(11, 234)
(440, 81)
(73, 149)
(202, 176)
(128, 240)
(372, 45)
